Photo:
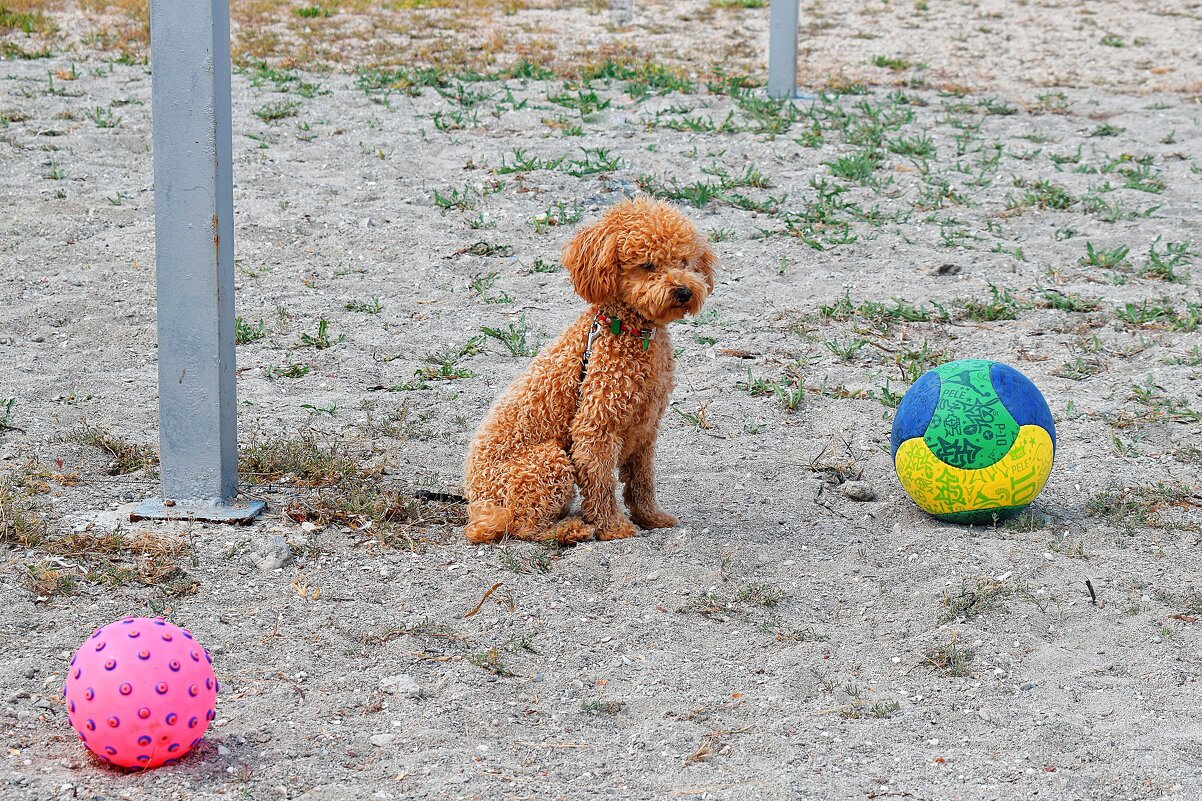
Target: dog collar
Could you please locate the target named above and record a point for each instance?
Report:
(616, 326)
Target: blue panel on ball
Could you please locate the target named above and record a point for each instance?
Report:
(916, 410)
(1022, 399)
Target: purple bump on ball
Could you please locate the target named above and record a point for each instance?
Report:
(174, 665)
(126, 688)
(114, 722)
(172, 718)
(134, 634)
(100, 645)
(161, 688)
(144, 741)
(143, 654)
(144, 712)
(110, 664)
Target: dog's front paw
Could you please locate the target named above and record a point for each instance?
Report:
(620, 531)
(655, 518)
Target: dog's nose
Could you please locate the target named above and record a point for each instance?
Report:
(682, 294)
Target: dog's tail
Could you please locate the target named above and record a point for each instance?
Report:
(487, 521)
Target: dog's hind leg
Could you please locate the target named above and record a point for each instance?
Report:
(540, 485)
(537, 485)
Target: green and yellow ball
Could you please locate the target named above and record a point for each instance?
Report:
(973, 441)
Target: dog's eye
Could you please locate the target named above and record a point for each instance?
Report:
(648, 266)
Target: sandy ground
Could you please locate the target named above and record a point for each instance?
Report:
(785, 642)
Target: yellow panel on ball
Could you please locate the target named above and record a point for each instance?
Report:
(953, 493)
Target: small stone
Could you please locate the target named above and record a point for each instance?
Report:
(1027, 685)
(859, 491)
(383, 740)
(401, 684)
(272, 553)
(222, 750)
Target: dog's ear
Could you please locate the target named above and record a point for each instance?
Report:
(706, 263)
(591, 259)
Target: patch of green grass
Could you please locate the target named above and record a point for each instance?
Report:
(524, 162)
(1161, 314)
(1067, 301)
(245, 333)
(127, 457)
(585, 104)
(881, 314)
(697, 194)
(313, 12)
(273, 112)
(952, 659)
(1002, 305)
(1106, 129)
(600, 706)
(760, 594)
(845, 349)
(321, 339)
(282, 80)
(1112, 40)
(104, 117)
(458, 199)
(890, 63)
(920, 146)
(373, 306)
(25, 22)
(854, 167)
(293, 370)
(596, 160)
(1042, 195)
(1113, 259)
(1079, 369)
(974, 599)
(6, 414)
(22, 525)
(1132, 507)
(1162, 265)
(1142, 177)
(514, 337)
(537, 560)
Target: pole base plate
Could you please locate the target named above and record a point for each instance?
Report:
(200, 511)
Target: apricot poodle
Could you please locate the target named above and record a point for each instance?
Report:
(591, 401)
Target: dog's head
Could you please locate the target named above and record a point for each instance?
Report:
(643, 254)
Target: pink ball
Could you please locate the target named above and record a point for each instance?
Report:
(140, 692)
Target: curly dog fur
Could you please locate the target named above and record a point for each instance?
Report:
(644, 263)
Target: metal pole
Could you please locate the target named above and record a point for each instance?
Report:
(194, 254)
(782, 48)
